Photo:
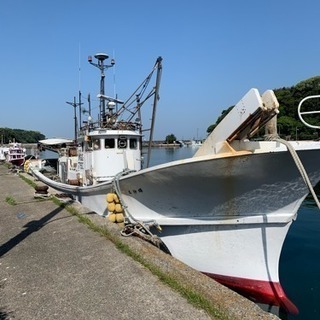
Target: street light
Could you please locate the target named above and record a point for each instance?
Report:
(101, 57)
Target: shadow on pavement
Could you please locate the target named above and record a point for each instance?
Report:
(31, 226)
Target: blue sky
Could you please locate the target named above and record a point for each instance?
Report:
(213, 53)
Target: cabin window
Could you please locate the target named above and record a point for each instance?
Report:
(122, 143)
(109, 143)
(133, 143)
(96, 144)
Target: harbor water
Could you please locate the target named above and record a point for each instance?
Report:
(300, 262)
(300, 258)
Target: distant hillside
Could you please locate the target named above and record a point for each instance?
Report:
(289, 98)
(21, 136)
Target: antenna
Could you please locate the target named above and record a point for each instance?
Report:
(114, 74)
(79, 66)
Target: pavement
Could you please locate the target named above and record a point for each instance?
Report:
(54, 267)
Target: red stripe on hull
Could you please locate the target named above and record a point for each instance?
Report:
(266, 292)
(17, 162)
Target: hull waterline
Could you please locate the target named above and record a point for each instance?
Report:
(264, 292)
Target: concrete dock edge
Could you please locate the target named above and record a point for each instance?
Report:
(229, 304)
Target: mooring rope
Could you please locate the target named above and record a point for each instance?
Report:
(300, 168)
(116, 187)
(136, 227)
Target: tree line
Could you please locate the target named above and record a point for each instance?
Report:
(8, 135)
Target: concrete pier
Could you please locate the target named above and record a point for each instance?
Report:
(54, 267)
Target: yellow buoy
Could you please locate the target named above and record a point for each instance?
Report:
(116, 198)
(119, 217)
(118, 208)
(26, 165)
(111, 206)
(112, 217)
(110, 197)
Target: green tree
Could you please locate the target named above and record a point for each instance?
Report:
(171, 138)
(19, 135)
(289, 124)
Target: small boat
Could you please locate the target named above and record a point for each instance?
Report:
(225, 212)
(14, 153)
(3, 152)
(196, 143)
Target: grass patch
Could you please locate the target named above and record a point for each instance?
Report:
(193, 297)
(10, 200)
(28, 181)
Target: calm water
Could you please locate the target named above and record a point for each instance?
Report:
(163, 155)
(300, 258)
(300, 262)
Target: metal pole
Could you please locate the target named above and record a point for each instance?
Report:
(102, 101)
(89, 103)
(80, 109)
(155, 100)
(74, 104)
(75, 119)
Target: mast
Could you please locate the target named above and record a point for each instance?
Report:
(74, 104)
(155, 101)
(89, 103)
(101, 66)
(80, 111)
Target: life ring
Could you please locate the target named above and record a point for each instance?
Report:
(122, 143)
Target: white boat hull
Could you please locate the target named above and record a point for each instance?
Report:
(218, 214)
(244, 258)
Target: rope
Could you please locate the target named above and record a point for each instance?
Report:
(300, 168)
(139, 228)
(116, 187)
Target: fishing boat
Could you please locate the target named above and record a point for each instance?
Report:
(47, 166)
(225, 212)
(195, 143)
(13, 153)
